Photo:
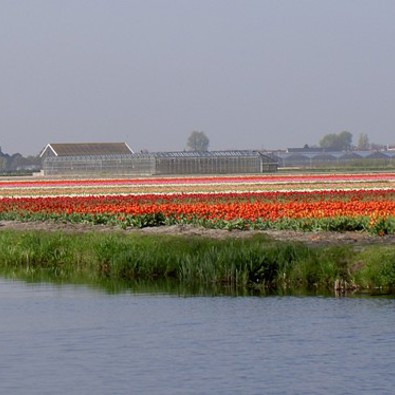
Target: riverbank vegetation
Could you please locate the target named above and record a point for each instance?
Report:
(254, 264)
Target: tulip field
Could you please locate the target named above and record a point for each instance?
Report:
(338, 202)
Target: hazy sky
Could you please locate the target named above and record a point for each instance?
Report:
(259, 74)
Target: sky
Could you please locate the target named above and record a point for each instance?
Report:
(250, 74)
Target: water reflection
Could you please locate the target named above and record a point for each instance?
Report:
(172, 287)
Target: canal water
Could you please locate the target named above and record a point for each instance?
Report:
(57, 339)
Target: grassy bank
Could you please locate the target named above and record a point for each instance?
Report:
(255, 264)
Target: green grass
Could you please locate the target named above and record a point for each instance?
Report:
(244, 266)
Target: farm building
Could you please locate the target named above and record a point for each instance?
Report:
(117, 159)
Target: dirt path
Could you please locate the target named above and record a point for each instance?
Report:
(310, 238)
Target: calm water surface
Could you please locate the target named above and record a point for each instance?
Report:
(75, 340)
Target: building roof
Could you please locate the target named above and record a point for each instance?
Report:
(210, 154)
(335, 154)
(86, 149)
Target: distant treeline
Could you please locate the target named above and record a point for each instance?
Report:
(16, 163)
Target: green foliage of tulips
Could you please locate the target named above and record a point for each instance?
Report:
(257, 264)
(380, 226)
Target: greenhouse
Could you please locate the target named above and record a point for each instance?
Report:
(320, 157)
(117, 159)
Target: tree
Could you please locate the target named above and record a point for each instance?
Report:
(198, 141)
(363, 142)
(337, 142)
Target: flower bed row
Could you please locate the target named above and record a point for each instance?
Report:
(369, 210)
(295, 178)
(258, 183)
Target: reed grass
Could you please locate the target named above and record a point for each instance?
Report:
(255, 264)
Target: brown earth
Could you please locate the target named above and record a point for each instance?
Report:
(310, 238)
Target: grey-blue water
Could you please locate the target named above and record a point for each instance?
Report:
(75, 340)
